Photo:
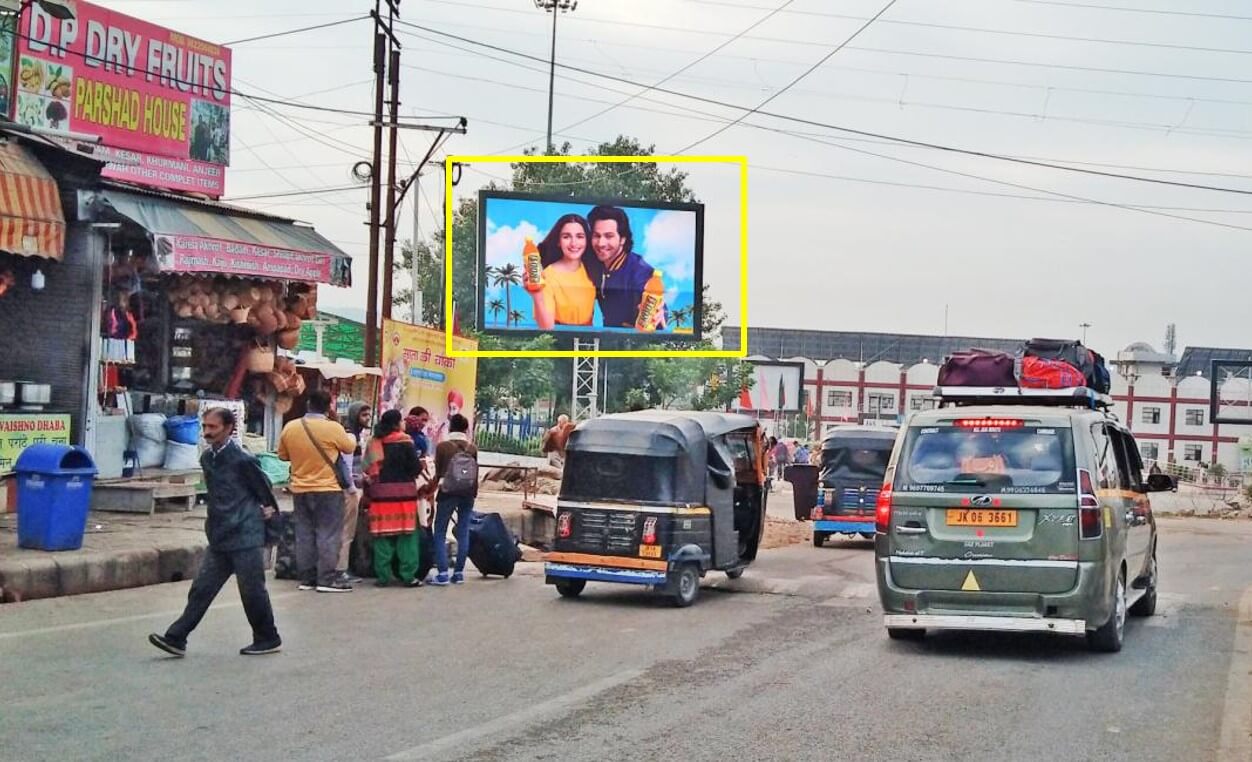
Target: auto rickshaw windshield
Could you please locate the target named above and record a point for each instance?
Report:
(856, 460)
(615, 476)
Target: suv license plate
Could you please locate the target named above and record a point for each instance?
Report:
(964, 517)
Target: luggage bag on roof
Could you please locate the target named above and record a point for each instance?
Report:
(1090, 364)
(978, 367)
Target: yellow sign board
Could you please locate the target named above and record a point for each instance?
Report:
(21, 430)
(417, 372)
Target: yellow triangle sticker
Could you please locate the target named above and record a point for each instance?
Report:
(971, 582)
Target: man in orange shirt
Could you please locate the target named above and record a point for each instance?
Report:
(312, 445)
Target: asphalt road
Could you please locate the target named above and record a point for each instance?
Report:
(790, 662)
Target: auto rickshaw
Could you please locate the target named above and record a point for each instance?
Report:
(659, 498)
(840, 493)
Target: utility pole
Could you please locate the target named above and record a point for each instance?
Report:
(389, 252)
(1084, 327)
(371, 298)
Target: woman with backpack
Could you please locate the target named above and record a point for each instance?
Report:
(456, 478)
(391, 468)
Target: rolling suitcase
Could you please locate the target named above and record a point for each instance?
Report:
(285, 550)
(492, 547)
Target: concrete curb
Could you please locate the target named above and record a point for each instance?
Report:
(75, 573)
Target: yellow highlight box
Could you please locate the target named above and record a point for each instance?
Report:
(741, 161)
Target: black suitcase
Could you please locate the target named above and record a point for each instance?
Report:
(285, 550)
(492, 547)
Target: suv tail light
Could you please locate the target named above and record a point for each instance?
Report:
(649, 530)
(564, 524)
(882, 508)
(1088, 507)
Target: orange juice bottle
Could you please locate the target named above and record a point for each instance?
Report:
(653, 295)
(532, 265)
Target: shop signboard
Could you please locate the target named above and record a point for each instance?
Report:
(21, 430)
(196, 254)
(158, 100)
(416, 372)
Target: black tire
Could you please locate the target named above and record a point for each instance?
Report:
(686, 586)
(819, 538)
(905, 633)
(1146, 605)
(734, 573)
(867, 535)
(570, 588)
(1109, 637)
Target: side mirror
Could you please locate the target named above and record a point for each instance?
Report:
(1162, 483)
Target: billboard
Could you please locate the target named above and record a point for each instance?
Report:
(589, 267)
(777, 389)
(158, 99)
(416, 372)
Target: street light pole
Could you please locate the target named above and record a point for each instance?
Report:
(555, 7)
(1084, 327)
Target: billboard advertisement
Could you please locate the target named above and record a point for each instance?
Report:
(777, 388)
(158, 98)
(589, 267)
(416, 372)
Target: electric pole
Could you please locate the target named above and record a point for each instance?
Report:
(555, 7)
(389, 251)
(371, 298)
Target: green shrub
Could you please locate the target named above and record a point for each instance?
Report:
(492, 442)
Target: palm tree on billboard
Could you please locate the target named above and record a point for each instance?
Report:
(496, 306)
(508, 277)
(516, 317)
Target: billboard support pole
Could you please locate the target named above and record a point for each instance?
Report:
(586, 379)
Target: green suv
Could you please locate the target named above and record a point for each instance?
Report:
(1017, 510)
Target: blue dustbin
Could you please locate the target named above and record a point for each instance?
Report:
(53, 496)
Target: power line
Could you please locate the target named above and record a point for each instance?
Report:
(898, 22)
(1094, 6)
(809, 43)
(691, 113)
(288, 194)
(756, 109)
(272, 35)
(696, 62)
(840, 128)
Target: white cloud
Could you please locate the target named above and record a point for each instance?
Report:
(504, 244)
(668, 243)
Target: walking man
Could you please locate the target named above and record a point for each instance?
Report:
(312, 445)
(240, 501)
(456, 477)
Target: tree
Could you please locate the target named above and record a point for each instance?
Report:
(508, 277)
(513, 383)
(495, 307)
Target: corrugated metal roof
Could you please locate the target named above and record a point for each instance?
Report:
(821, 346)
(1201, 359)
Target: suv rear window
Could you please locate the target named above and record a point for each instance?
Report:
(1025, 460)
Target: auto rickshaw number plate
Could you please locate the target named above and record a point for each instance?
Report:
(650, 551)
(963, 517)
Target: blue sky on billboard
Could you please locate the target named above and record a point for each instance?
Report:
(666, 239)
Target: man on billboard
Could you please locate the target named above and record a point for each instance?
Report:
(624, 275)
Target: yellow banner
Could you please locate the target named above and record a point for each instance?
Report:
(21, 430)
(417, 373)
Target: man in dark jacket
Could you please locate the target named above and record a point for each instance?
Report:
(624, 273)
(240, 502)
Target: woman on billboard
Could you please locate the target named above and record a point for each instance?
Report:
(564, 293)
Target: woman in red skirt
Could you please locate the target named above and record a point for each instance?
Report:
(391, 468)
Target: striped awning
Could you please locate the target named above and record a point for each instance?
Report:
(31, 221)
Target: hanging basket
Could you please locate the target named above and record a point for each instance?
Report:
(260, 359)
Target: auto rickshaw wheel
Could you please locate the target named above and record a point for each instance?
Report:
(686, 586)
(570, 588)
(734, 573)
(819, 539)
(867, 535)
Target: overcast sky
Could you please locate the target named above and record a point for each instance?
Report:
(839, 239)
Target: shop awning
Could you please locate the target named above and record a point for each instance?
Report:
(193, 236)
(31, 221)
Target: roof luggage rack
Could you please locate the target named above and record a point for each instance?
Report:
(1082, 396)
